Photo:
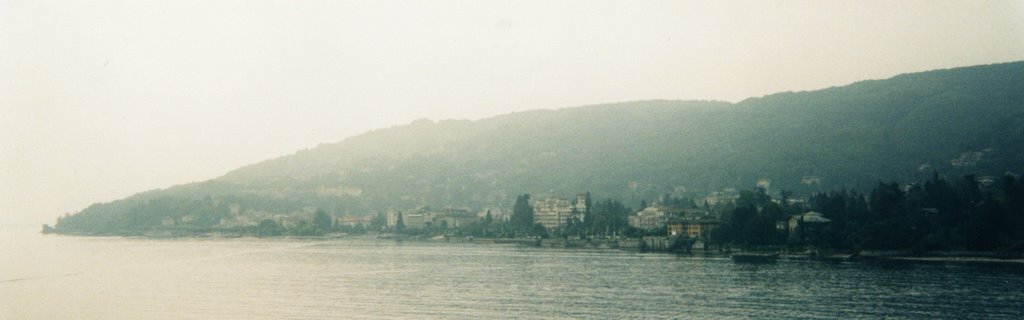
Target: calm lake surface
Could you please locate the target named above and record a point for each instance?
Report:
(61, 277)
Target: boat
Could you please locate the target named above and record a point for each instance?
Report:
(838, 257)
(747, 257)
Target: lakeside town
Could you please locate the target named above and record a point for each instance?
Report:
(972, 217)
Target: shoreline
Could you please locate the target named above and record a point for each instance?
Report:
(625, 244)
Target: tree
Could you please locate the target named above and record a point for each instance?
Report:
(608, 217)
(268, 227)
(589, 203)
(587, 216)
(757, 198)
(522, 213)
(400, 225)
(784, 196)
(573, 226)
(488, 219)
(538, 230)
(378, 222)
(739, 229)
(322, 221)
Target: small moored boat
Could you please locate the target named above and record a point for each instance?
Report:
(755, 257)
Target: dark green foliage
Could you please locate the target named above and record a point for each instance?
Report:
(608, 217)
(931, 215)
(681, 244)
(380, 221)
(400, 223)
(848, 211)
(749, 228)
(268, 228)
(322, 221)
(928, 216)
(752, 223)
(522, 213)
(538, 230)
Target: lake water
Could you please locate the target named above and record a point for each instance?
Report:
(61, 277)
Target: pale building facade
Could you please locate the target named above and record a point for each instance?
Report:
(554, 213)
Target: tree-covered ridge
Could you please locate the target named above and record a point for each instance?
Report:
(957, 121)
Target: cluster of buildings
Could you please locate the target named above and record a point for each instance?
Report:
(697, 223)
(553, 213)
(447, 217)
(689, 222)
(727, 195)
(241, 218)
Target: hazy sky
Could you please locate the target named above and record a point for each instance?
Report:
(103, 99)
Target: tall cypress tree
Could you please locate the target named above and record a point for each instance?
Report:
(522, 213)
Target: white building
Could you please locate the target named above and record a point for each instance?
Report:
(806, 219)
(413, 220)
(553, 213)
(651, 218)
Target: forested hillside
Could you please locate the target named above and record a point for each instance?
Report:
(954, 122)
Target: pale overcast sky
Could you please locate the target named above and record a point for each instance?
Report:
(103, 99)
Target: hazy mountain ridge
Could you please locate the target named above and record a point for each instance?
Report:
(851, 136)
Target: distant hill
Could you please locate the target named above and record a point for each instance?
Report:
(956, 121)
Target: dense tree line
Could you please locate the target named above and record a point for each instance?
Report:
(965, 214)
(608, 218)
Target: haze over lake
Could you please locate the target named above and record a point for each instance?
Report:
(567, 159)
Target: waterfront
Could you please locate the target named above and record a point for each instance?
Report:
(61, 277)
